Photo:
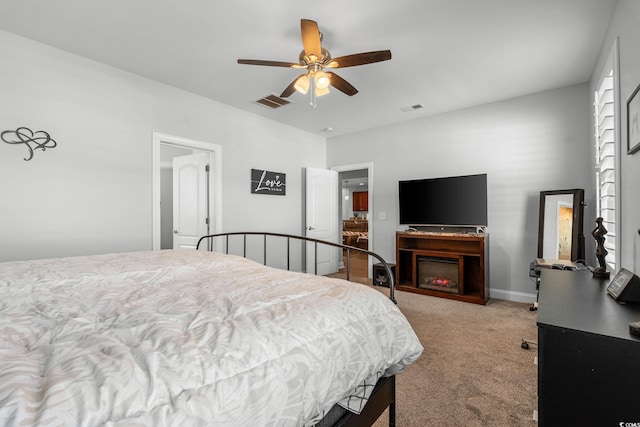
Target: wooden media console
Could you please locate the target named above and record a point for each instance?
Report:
(447, 265)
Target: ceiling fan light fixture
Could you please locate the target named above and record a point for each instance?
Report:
(321, 91)
(302, 84)
(314, 58)
(322, 81)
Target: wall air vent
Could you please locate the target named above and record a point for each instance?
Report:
(273, 101)
(411, 108)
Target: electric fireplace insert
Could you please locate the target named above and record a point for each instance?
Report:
(439, 274)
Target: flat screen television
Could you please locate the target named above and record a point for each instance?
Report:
(459, 201)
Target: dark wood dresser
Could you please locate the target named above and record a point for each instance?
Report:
(588, 362)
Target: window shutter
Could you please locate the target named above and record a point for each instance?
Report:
(606, 163)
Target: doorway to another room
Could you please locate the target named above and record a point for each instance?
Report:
(355, 209)
(186, 191)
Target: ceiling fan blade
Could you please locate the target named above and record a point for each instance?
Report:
(289, 90)
(310, 38)
(359, 59)
(341, 84)
(269, 63)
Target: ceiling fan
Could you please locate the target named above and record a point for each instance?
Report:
(314, 58)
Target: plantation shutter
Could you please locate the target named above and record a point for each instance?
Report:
(606, 163)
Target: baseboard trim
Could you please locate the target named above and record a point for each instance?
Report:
(512, 296)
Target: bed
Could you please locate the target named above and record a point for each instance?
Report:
(157, 338)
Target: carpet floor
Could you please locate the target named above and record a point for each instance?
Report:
(473, 371)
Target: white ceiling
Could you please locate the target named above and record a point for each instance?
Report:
(446, 54)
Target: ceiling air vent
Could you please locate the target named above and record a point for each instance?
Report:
(411, 108)
(273, 101)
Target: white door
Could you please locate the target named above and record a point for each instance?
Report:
(322, 219)
(190, 200)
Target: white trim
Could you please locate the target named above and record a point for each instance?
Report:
(513, 296)
(215, 202)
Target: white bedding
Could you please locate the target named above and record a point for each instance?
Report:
(187, 338)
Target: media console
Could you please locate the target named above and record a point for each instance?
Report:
(447, 265)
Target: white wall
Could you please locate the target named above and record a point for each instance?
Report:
(625, 26)
(525, 145)
(92, 193)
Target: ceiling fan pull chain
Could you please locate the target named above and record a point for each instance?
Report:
(312, 90)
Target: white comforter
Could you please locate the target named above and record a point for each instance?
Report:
(187, 338)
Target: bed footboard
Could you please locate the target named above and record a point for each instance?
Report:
(209, 243)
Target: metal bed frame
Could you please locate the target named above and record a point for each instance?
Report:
(209, 240)
(384, 392)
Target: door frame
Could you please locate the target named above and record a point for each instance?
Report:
(369, 167)
(215, 180)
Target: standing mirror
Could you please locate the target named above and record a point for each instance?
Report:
(560, 234)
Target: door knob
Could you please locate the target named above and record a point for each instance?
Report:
(175, 231)
(310, 228)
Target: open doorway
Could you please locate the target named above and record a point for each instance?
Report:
(166, 148)
(355, 212)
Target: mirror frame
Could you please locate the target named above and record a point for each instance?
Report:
(577, 234)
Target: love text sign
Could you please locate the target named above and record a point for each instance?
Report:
(267, 182)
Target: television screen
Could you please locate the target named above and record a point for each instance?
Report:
(450, 201)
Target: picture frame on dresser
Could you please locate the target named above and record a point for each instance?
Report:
(633, 121)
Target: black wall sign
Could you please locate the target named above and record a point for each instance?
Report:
(267, 182)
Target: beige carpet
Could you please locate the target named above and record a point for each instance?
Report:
(473, 371)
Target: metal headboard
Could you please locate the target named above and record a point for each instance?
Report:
(209, 240)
